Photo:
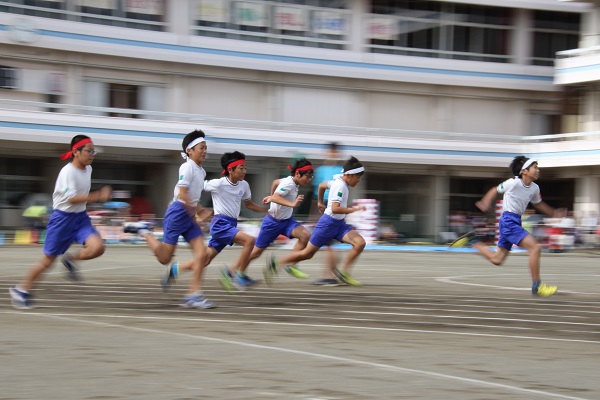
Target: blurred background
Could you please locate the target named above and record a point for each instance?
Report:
(434, 97)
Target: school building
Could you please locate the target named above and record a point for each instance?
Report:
(435, 97)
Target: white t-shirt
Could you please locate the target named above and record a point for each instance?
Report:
(226, 196)
(289, 191)
(517, 195)
(338, 193)
(191, 176)
(71, 182)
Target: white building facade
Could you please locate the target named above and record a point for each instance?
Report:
(436, 97)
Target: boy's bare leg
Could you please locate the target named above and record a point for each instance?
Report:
(495, 257)
(35, 272)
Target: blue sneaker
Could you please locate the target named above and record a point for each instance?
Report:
(169, 275)
(197, 301)
(242, 281)
(247, 280)
(19, 299)
(72, 268)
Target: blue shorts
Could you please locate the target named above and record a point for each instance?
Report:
(271, 228)
(178, 222)
(222, 229)
(64, 228)
(327, 229)
(511, 231)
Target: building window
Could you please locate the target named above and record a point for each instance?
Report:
(440, 30)
(312, 23)
(100, 96)
(19, 177)
(553, 32)
(8, 78)
(124, 97)
(137, 14)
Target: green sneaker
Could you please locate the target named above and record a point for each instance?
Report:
(544, 290)
(270, 271)
(347, 278)
(295, 272)
(226, 280)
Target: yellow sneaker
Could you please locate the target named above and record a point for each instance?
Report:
(347, 278)
(544, 290)
(295, 272)
(466, 240)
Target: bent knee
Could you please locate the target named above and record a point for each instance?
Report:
(360, 244)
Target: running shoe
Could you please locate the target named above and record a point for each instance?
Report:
(19, 299)
(326, 282)
(295, 272)
(244, 279)
(544, 290)
(72, 268)
(226, 280)
(197, 301)
(270, 271)
(169, 275)
(347, 278)
(240, 283)
(141, 228)
(466, 240)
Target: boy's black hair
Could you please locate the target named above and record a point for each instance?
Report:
(516, 165)
(333, 146)
(77, 138)
(190, 137)
(299, 163)
(352, 163)
(228, 158)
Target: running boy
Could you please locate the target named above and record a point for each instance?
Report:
(518, 192)
(329, 170)
(279, 220)
(69, 221)
(332, 224)
(180, 219)
(227, 194)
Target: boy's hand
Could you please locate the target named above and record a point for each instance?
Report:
(321, 206)
(104, 194)
(298, 200)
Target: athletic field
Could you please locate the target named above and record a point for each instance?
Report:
(426, 325)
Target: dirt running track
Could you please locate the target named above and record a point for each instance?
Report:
(424, 326)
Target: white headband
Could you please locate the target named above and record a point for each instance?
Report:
(528, 163)
(354, 171)
(192, 144)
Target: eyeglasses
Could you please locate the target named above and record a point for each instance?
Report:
(91, 152)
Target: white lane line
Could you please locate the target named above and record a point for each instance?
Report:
(429, 316)
(403, 370)
(453, 280)
(294, 324)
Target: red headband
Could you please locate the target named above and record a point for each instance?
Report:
(305, 168)
(77, 145)
(233, 164)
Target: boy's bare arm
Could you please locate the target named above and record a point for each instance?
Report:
(486, 201)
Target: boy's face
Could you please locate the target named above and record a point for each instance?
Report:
(237, 173)
(85, 156)
(198, 153)
(533, 172)
(304, 180)
(353, 179)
